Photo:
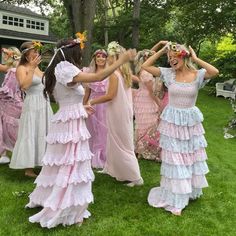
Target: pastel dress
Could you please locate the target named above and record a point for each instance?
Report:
(96, 124)
(33, 127)
(183, 155)
(10, 110)
(147, 114)
(64, 185)
(121, 162)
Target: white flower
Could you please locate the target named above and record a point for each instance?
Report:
(113, 48)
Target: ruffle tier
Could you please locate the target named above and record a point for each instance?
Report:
(180, 172)
(180, 132)
(187, 159)
(49, 218)
(62, 176)
(59, 198)
(183, 146)
(184, 117)
(67, 154)
(71, 131)
(169, 200)
(69, 112)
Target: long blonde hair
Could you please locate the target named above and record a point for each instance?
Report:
(13, 56)
(114, 50)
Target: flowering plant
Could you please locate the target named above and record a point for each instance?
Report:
(113, 48)
(81, 38)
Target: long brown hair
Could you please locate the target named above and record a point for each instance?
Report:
(72, 54)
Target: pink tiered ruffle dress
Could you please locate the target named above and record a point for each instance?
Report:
(64, 185)
(146, 120)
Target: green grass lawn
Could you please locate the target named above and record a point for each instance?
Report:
(119, 210)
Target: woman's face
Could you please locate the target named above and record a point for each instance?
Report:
(111, 59)
(176, 62)
(100, 59)
(6, 54)
(32, 54)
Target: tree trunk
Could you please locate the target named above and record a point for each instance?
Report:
(81, 14)
(136, 18)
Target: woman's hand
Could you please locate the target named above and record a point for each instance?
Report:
(89, 109)
(192, 54)
(129, 55)
(33, 63)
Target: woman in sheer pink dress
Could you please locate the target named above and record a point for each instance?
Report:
(121, 162)
(10, 103)
(96, 123)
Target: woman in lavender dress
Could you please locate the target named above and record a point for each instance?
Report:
(10, 103)
(182, 139)
(96, 123)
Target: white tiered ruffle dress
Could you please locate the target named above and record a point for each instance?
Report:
(64, 185)
(183, 145)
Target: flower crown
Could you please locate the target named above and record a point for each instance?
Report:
(35, 45)
(179, 49)
(100, 51)
(81, 38)
(10, 53)
(113, 48)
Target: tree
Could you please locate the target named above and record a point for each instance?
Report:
(81, 15)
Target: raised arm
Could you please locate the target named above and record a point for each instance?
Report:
(111, 92)
(211, 71)
(158, 45)
(101, 75)
(148, 65)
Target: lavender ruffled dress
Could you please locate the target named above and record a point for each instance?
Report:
(183, 155)
(64, 185)
(10, 110)
(96, 124)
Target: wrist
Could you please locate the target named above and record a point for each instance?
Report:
(90, 102)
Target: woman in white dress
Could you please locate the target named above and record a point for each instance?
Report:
(30, 145)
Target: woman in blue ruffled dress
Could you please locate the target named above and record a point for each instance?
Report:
(183, 155)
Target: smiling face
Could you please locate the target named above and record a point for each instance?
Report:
(100, 59)
(176, 61)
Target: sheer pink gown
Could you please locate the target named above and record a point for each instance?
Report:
(121, 161)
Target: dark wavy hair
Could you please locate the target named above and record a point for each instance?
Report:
(72, 54)
(25, 45)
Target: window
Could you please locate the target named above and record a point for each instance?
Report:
(15, 21)
(19, 22)
(32, 24)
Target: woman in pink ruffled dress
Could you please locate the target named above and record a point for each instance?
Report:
(10, 103)
(121, 162)
(96, 123)
(64, 185)
(146, 111)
